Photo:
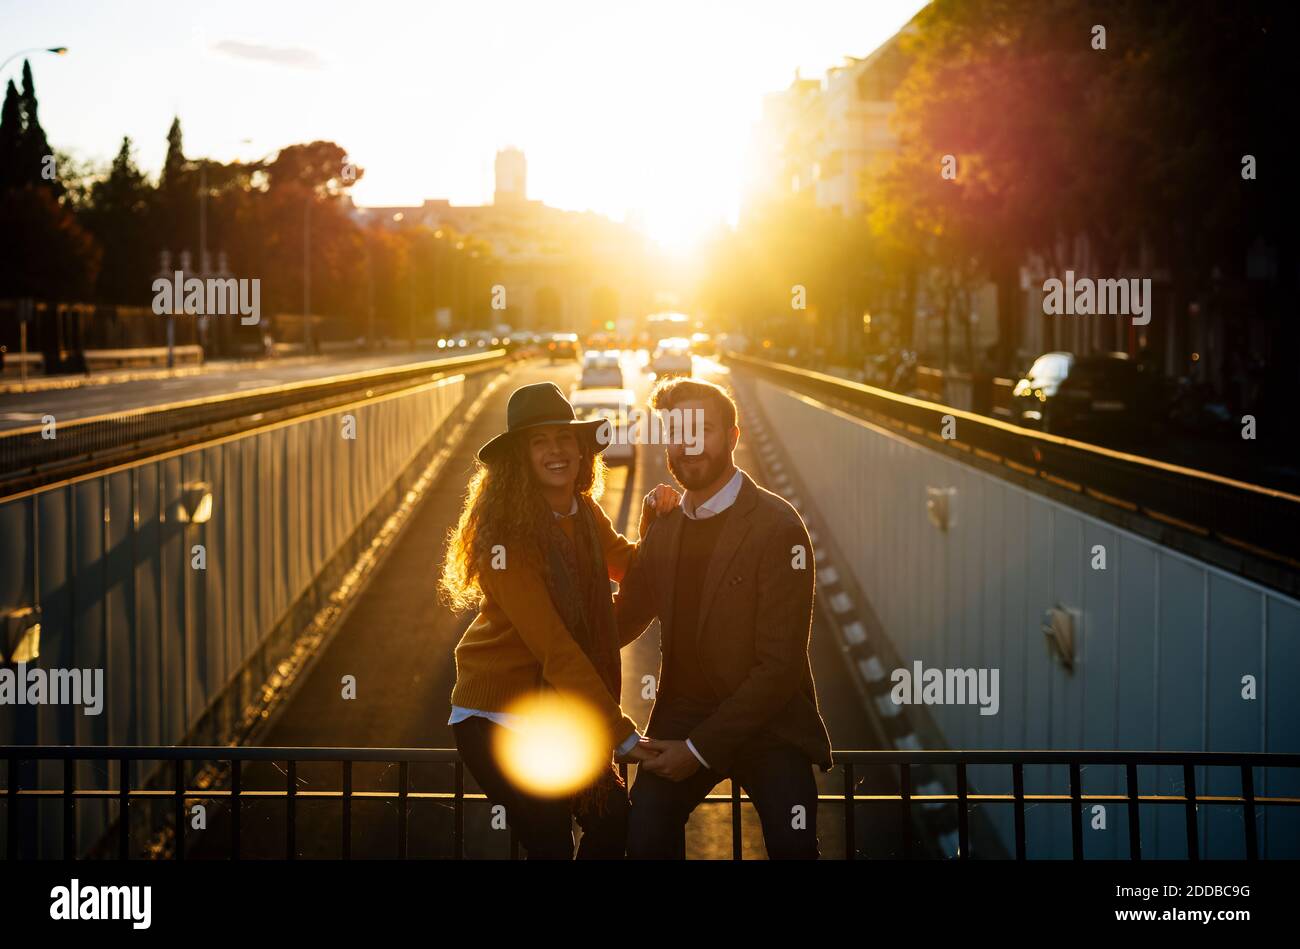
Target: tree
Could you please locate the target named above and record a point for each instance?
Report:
(44, 252)
(118, 214)
(11, 134)
(35, 157)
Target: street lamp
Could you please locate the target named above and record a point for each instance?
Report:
(56, 50)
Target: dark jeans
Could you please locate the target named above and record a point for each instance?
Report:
(543, 825)
(776, 776)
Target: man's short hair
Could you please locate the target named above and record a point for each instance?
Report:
(672, 391)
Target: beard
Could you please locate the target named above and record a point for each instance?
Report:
(698, 477)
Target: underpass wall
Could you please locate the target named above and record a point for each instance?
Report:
(109, 561)
(1162, 641)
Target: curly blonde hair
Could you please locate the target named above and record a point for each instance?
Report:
(503, 506)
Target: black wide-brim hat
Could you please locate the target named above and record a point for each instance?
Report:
(541, 403)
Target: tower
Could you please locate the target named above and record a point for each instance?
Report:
(512, 177)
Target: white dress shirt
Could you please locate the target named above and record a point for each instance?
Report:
(722, 499)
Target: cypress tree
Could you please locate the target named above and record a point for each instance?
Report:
(34, 148)
(11, 135)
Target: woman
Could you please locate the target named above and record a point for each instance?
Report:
(535, 553)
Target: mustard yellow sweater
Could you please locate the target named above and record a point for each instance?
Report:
(518, 640)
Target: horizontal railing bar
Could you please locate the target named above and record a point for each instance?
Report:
(279, 795)
(989, 423)
(358, 379)
(1257, 759)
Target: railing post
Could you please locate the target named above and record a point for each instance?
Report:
(236, 806)
(291, 812)
(1018, 792)
(1076, 810)
(11, 812)
(735, 820)
(403, 782)
(124, 809)
(1189, 788)
(178, 808)
(1134, 813)
(1248, 794)
(458, 814)
(347, 810)
(905, 807)
(850, 837)
(69, 809)
(963, 818)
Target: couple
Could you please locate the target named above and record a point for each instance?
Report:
(727, 568)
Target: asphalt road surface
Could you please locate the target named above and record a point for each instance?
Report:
(21, 409)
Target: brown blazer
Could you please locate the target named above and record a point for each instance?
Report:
(754, 628)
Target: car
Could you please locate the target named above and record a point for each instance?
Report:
(672, 357)
(601, 369)
(702, 344)
(1104, 396)
(562, 346)
(613, 404)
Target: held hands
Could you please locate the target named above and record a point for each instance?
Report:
(671, 759)
(661, 499)
(641, 752)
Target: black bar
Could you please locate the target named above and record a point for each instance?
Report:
(1076, 811)
(963, 819)
(403, 788)
(11, 812)
(124, 810)
(850, 837)
(514, 841)
(236, 806)
(905, 807)
(1189, 786)
(178, 808)
(458, 815)
(1248, 793)
(1219, 759)
(735, 820)
(291, 813)
(1018, 791)
(347, 810)
(69, 809)
(1134, 813)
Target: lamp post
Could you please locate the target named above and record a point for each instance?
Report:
(204, 268)
(56, 50)
(306, 275)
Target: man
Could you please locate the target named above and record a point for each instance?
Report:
(729, 574)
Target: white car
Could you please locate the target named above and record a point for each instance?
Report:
(612, 404)
(601, 369)
(672, 357)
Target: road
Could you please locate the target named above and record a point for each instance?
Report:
(398, 643)
(22, 409)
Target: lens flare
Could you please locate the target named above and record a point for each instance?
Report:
(559, 747)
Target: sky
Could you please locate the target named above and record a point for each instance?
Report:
(641, 111)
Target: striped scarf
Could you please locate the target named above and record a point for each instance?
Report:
(582, 599)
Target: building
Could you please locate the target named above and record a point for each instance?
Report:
(827, 137)
(562, 270)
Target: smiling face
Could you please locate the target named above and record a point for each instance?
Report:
(553, 455)
(716, 441)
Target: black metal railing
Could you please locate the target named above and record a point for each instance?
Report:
(1250, 519)
(28, 459)
(851, 764)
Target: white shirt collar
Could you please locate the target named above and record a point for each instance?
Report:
(725, 497)
(572, 510)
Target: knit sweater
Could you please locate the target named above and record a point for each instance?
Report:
(517, 640)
